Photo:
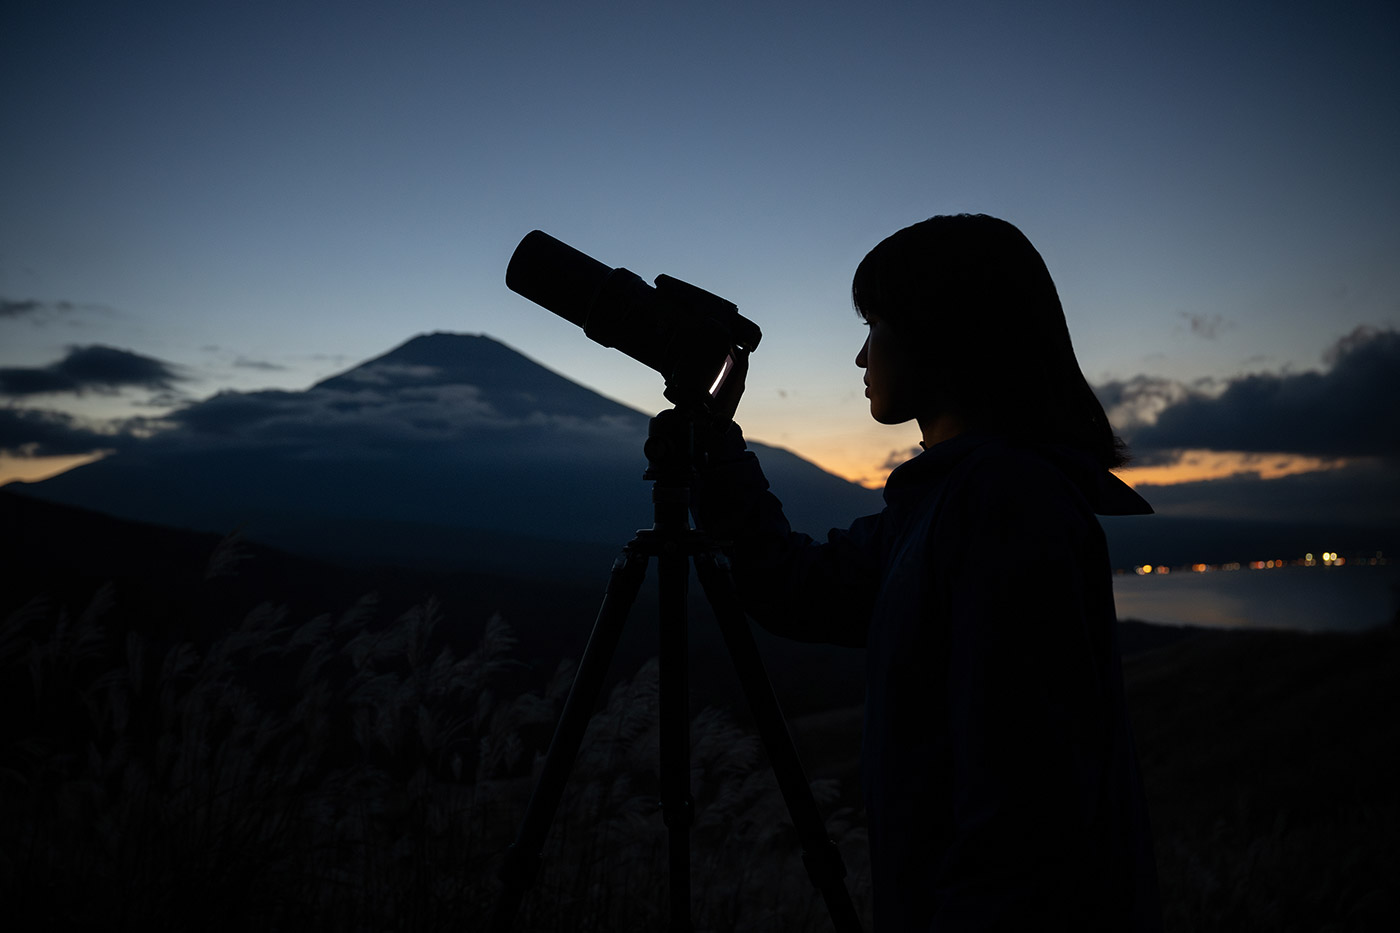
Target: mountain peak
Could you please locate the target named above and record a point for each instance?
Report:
(438, 358)
(511, 382)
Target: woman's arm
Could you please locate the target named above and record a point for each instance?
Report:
(790, 584)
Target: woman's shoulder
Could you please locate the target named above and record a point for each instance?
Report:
(1005, 478)
(1014, 464)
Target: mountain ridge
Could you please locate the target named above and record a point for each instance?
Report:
(448, 447)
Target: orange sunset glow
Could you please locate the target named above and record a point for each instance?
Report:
(34, 469)
(1194, 466)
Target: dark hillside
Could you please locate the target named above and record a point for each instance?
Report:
(162, 578)
(166, 577)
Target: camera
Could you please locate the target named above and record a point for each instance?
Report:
(685, 333)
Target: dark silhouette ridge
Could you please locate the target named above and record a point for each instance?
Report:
(63, 555)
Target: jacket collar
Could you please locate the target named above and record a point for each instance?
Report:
(914, 478)
(1105, 493)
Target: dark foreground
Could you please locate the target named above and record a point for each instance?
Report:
(1273, 768)
(171, 763)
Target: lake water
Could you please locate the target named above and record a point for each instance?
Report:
(1317, 599)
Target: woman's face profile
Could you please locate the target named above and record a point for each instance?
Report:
(900, 381)
(891, 374)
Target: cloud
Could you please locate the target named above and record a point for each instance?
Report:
(1142, 399)
(896, 457)
(1207, 326)
(31, 432)
(93, 368)
(385, 373)
(452, 420)
(259, 365)
(11, 308)
(334, 420)
(32, 307)
(39, 313)
(1351, 410)
(383, 410)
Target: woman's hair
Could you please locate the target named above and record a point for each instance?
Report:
(974, 294)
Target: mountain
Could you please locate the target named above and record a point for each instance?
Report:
(448, 451)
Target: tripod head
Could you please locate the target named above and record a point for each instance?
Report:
(673, 457)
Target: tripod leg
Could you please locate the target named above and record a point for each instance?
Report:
(819, 854)
(677, 806)
(522, 858)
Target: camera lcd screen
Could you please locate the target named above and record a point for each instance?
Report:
(723, 374)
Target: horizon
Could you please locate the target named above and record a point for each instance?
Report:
(430, 398)
(1185, 475)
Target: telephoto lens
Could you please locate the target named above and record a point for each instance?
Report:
(555, 276)
(685, 333)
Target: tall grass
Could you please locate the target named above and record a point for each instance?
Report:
(352, 770)
(348, 772)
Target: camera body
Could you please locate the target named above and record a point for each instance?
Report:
(685, 333)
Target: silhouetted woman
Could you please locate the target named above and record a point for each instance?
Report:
(998, 772)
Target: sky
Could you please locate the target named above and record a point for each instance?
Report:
(203, 197)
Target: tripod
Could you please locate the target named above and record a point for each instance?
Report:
(670, 454)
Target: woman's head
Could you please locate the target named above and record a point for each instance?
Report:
(972, 303)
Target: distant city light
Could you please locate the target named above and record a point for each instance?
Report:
(1310, 559)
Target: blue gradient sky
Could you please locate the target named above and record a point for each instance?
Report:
(265, 193)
